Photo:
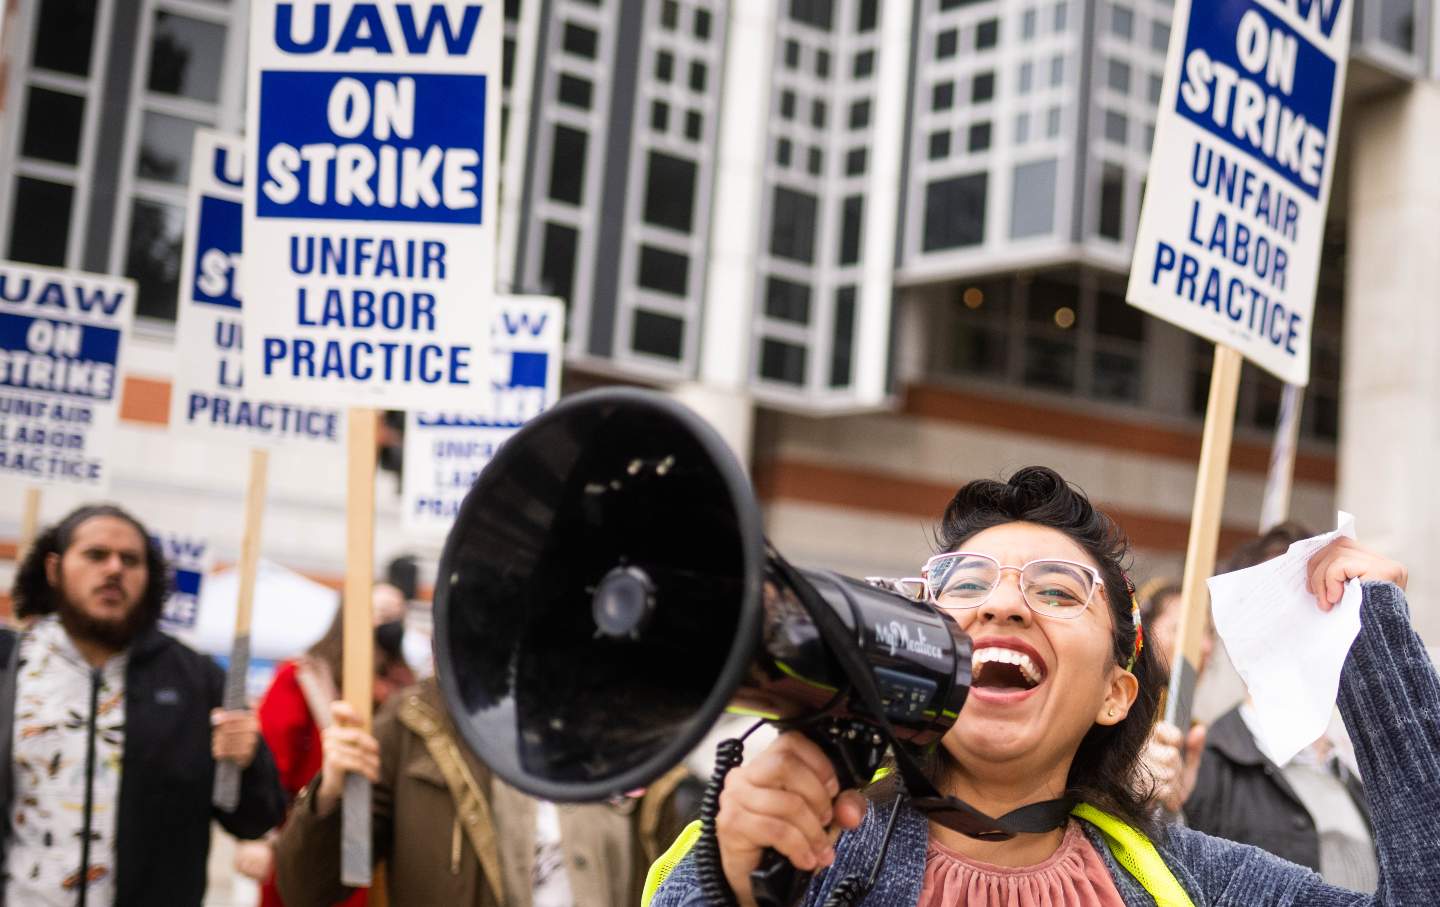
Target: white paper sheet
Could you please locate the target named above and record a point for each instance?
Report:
(1288, 651)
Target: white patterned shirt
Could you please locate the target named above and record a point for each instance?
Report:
(52, 725)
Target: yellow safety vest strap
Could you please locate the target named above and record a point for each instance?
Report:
(660, 870)
(1138, 855)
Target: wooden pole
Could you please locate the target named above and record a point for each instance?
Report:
(1204, 534)
(358, 679)
(29, 522)
(1280, 479)
(226, 794)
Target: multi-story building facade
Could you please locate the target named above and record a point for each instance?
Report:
(892, 237)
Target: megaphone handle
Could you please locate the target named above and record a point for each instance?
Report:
(776, 882)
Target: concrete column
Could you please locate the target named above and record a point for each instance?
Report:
(1390, 383)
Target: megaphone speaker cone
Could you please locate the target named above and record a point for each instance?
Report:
(599, 595)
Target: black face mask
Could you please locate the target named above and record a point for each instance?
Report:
(389, 638)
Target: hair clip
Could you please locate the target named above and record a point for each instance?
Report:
(1139, 633)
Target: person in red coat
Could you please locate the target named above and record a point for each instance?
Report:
(296, 708)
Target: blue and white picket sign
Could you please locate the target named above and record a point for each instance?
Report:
(445, 451)
(1245, 146)
(190, 560)
(209, 399)
(372, 169)
(62, 343)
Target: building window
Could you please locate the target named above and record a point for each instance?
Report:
(783, 152)
(694, 125)
(1159, 36)
(792, 54)
(1122, 21)
(698, 75)
(664, 271)
(1022, 128)
(64, 36)
(670, 192)
(817, 114)
(786, 300)
(557, 260)
(42, 215)
(982, 89)
(702, 24)
(869, 15)
(787, 104)
(1057, 71)
(1051, 315)
(1026, 78)
(567, 165)
(53, 120)
(817, 161)
(939, 145)
(792, 225)
(1112, 202)
(781, 361)
(855, 161)
(657, 335)
(860, 114)
(669, 15)
(186, 57)
(987, 34)
(822, 64)
(664, 66)
(942, 96)
(818, 13)
(1027, 24)
(153, 259)
(979, 138)
(1032, 199)
(1117, 76)
(1052, 122)
(1062, 14)
(864, 64)
(842, 351)
(955, 212)
(1156, 85)
(947, 43)
(1117, 127)
(166, 143)
(575, 91)
(659, 116)
(852, 224)
(581, 41)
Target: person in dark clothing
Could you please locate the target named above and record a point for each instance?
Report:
(98, 707)
(1312, 810)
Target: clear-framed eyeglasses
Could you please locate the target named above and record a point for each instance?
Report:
(962, 580)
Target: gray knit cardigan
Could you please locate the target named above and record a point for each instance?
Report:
(1390, 699)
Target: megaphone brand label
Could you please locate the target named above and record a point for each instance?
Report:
(896, 637)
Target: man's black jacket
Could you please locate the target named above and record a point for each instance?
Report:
(163, 824)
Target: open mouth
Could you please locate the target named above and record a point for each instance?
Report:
(995, 667)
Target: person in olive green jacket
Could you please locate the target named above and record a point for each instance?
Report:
(449, 833)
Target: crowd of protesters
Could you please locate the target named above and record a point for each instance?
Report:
(113, 731)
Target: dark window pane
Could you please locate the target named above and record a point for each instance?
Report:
(819, 13)
(694, 125)
(942, 96)
(987, 34)
(581, 41)
(664, 66)
(792, 225)
(852, 222)
(567, 165)
(787, 300)
(575, 91)
(1397, 24)
(670, 192)
(702, 24)
(792, 53)
(697, 76)
(869, 15)
(1048, 295)
(64, 35)
(1115, 318)
(842, 351)
(1049, 363)
(822, 64)
(781, 361)
(947, 43)
(787, 104)
(658, 335)
(557, 260)
(512, 10)
(659, 116)
(977, 349)
(864, 63)
(983, 88)
(186, 56)
(859, 114)
(783, 150)
(1112, 202)
(507, 63)
(817, 114)
(156, 232)
(52, 126)
(1117, 377)
(955, 212)
(41, 224)
(817, 161)
(939, 145)
(669, 14)
(1117, 127)
(956, 4)
(664, 271)
(979, 139)
(1032, 199)
(855, 162)
(165, 146)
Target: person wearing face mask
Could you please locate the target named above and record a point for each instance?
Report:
(1062, 699)
(296, 709)
(110, 730)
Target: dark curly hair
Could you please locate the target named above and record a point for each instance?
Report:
(32, 593)
(1106, 769)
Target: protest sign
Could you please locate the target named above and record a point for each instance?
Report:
(62, 339)
(190, 560)
(444, 452)
(1245, 146)
(209, 398)
(372, 164)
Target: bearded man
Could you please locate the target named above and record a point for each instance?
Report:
(110, 730)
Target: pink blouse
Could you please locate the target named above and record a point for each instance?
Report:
(1073, 876)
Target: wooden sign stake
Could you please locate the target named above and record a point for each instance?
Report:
(29, 522)
(358, 680)
(226, 793)
(1204, 534)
